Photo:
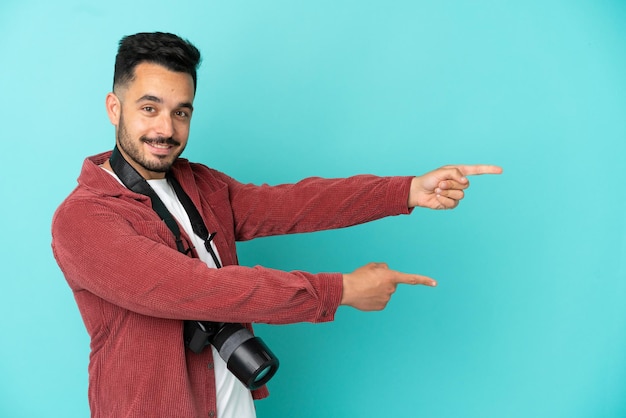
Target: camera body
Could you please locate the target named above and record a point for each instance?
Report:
(246, 356)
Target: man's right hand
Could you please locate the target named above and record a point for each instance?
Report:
(370, 287)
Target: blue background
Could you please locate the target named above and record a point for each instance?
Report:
(529, 319)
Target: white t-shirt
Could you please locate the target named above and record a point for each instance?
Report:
(234, 400)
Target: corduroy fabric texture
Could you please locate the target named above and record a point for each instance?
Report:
(134, 289)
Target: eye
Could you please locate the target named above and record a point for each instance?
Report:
(182, 114)
(149, 109)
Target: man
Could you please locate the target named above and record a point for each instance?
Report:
(139, 281)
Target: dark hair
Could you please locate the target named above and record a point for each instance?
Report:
(166, 49)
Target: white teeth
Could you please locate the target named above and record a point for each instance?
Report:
(155, 145)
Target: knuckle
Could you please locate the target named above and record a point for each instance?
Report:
(379, 266)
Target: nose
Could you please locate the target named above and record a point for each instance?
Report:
(165, 126)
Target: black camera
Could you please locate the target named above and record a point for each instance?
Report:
(246, 356)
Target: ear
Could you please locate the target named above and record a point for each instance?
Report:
(114, 108)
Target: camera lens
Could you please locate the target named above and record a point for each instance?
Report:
(263, 373)
(246, 356)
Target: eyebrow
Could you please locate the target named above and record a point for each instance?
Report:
(150, 98)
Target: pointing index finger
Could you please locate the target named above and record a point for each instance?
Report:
(414, 279)
(478, 169)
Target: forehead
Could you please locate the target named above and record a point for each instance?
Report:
(156, 80)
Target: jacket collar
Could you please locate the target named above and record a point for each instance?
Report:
(98, 181)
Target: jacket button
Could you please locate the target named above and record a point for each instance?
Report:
(211, 414)
(210, 366)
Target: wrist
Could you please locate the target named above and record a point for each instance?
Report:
(344, 294)
(414, 191)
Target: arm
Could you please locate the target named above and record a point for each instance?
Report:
(316, 204)
(123, 255)
(313, 204)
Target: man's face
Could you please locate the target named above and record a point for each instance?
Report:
(152, 118)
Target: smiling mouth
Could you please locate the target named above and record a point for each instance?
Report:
(158, 145)
(161, 147)
(161, 143)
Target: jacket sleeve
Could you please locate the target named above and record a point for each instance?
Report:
(314, 204)
(125, 263)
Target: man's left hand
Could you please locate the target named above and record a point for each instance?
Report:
(444, 187)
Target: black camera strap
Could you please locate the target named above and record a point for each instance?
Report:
(135, 182)
(197, 224)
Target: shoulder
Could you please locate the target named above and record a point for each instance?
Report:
(202, 176)
(99, 196)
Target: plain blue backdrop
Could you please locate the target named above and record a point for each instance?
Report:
(529, 319)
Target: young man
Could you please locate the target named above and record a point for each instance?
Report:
(139, 281)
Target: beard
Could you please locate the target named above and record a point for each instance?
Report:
(134, 150)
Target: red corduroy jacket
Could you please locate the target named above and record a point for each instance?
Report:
(134, 289)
